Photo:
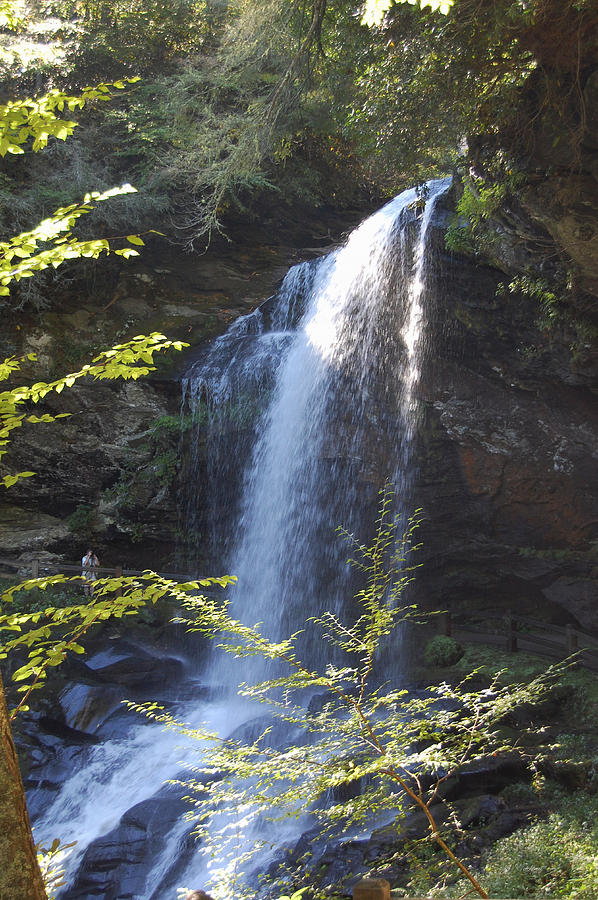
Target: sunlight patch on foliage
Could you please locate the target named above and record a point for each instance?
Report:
(375, 10)
(36, 118)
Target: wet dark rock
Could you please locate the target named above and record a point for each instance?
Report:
(507, 460)
(489, 775)
(554, 705)
(65, 732)
(115, 866)
(87, 707)
(143, 672)
(477, 821)
(501, 825)
(280, 735)
(92, 699)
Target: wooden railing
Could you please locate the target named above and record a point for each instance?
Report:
(515, 633)
(508, 631)
(377, 889)
(366, 889)
(36, 568)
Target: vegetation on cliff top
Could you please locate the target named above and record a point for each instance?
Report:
(299, 102)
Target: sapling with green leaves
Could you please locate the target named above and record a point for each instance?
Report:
(359, 750)
(49, 635)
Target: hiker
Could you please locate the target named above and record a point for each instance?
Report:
(89, 562)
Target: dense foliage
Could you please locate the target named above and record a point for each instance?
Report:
(294, 101)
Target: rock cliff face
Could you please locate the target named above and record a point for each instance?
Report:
(509, 446)
(508, 453)
(108, 475)
(563, 156)
(83, 491)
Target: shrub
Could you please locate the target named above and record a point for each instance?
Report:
(82, 520)
(443, 651)
(553, 858)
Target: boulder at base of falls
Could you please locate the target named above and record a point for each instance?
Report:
(116, 865)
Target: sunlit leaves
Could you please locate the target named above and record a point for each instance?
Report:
(52, 242)
(9, 480)
(48, 636)
(39, 118)
(12, 14)
(128, 361)
(375, 10)
(50, 860)
(296, 895)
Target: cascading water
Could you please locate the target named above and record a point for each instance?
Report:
(340, 414)
(309, 405)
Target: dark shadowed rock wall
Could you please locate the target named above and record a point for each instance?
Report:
(508, 457)
(109, 475)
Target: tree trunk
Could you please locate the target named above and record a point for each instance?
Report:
(20, 876)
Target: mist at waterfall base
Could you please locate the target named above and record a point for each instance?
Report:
(308, 407)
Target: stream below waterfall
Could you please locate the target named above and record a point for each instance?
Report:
(304, 408)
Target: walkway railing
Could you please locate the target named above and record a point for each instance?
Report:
(513, 633)
(508, 631)
(36, 568)
(377, 889)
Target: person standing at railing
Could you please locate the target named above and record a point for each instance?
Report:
(89, 562)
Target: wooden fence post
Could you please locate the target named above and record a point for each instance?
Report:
(35, 568)
(511, 633)
(372, 889)
(118, 571)
(571, 638)
(446, 624)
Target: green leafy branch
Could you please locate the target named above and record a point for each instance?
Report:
(36, 118)
(51, 243)
(375, 10)
(49, 635)
(27, 253)
(9, 15)
(130, 360)
(50, 861)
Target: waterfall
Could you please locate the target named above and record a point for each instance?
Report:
(293, 421)
(333, 380)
